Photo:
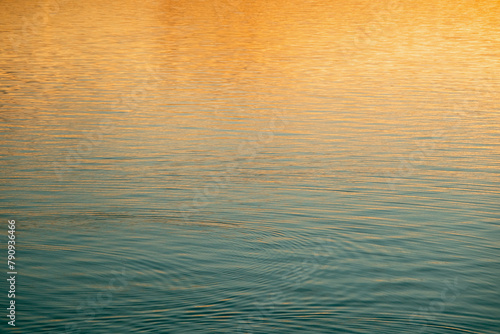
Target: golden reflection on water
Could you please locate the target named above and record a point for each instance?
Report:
(363, 76)
(354, 79)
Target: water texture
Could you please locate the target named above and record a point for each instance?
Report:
(234, 166)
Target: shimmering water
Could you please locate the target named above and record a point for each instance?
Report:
(235, 166)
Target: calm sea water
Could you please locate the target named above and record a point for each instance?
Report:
(234, 166)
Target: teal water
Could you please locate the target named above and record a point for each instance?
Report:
(251, 167)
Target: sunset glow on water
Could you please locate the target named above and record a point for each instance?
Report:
(233, 166)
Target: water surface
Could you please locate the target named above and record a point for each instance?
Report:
(252, 167)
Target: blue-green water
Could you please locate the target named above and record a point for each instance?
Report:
(251, 167)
